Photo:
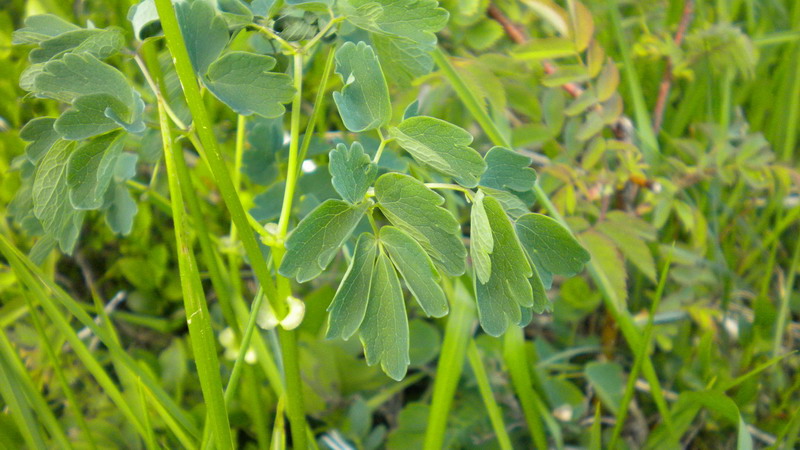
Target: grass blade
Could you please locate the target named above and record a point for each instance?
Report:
(494, 411)
(197, 317)
(457, 335)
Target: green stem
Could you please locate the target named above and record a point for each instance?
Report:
(198, 318)
(321, 34)
(292, 170)
(642, 114)
(288, 339)
(452, 187)
(786, 294)
(194, 100)
(382, 145)
(457, 335)
(272, 35)
(318, 105)
(495, 414)
(637, 364)
(517, 363)
(470, 101)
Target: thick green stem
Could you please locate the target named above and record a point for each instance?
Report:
(198, 318)
(291, 171)
(219, 171)
(288, 339)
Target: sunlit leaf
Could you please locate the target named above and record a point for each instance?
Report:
(441, 145)
(318, 237)
(350, 302)
(415, 209)
(384, 332)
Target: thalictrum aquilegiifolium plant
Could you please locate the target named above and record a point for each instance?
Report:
(399, 227)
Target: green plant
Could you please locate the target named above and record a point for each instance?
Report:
(212, 198)
(83, 160)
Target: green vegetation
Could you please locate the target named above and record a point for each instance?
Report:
(399, 223)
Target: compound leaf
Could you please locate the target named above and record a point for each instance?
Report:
(384, 332)
(317, 238)
(352, 171)
(441, 145)
(90, 169)
(417, 269)
(412, 207)
(499, 300)
(364, 101)
(243, 81)
(507, 169)
(350, 302)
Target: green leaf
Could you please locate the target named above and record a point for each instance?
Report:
(88, 118)
(317, 238)
(481, 241)
(125, 168)
(90, 169)
(499, 300)
(143, 17)
(50, 197)
(403, 60)
(41, 27)
(204, 32)
(416, 20)
(426, 342)
(350, 302)
(608, 263)
(76, 75)
(511, 202)
(631, 245)
(551, 247)
(243, 81)
(120, 209)
(417, 269)
(541, 302)
(608, 381)
(441, 145)
(352, 171)
(98, 42)
(412, 110)
(507, 169)
(41, 135)
(384, 332)
(364, 101)
(412, 207)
